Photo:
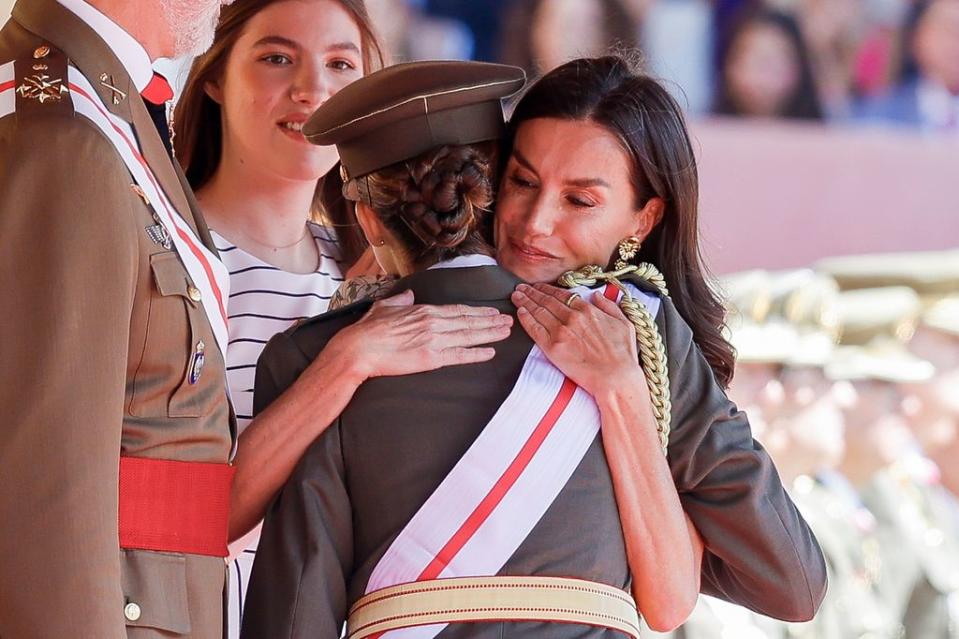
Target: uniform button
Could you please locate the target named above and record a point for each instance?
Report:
(194, 293)
(131, 611)
(41, 52)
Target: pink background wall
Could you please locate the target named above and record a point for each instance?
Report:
(782, 196)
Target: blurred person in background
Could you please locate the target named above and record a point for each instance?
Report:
(933, 410)
(410, 32)
(918, 543)
(540, 35)
(761, 344)
(807, 441)
(765, 70)
(928, 97)
(833, 30)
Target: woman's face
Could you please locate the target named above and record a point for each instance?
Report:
(291, 57)
(762, 70)
(566, 200)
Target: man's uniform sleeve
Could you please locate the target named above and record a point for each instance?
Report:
(68, 268)
(760, 553)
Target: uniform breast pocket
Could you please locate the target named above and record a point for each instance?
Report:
(171, 379)
(155, 594)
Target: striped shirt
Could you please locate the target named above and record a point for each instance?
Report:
(265, 300)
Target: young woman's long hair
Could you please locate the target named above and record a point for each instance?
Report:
(650, 124)
(198, 125)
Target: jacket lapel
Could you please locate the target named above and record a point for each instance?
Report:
(90, 54)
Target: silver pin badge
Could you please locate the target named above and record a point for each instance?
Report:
(160, 235)
(196, 364)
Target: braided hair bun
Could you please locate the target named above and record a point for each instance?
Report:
(445, 193)
(435, 202)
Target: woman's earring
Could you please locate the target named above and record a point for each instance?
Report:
(628, 248)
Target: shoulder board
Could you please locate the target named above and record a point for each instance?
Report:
(38, 81)
(642, 284)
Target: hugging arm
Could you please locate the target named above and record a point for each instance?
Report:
(298, 394)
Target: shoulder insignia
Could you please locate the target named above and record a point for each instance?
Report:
(41, 79)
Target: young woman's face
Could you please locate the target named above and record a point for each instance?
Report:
(762, 70)
(566, 199)
(291, 57)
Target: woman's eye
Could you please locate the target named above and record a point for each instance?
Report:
(342, 65)
(581, 203)
(277, 58)
(520, 182)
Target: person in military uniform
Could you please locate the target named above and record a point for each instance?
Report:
(914, 506)
(807, 442)
(919, 549)
(117, 430)
(346, 528)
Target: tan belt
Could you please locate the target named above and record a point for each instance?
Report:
(490, 599)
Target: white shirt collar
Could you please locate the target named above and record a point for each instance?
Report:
(465, 261)
(130, 52)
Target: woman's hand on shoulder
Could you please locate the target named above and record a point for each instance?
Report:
(591, 341)
(398, 337)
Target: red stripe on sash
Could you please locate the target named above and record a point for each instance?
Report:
(183, 235)
(7, 85)
(611, 292)
(502, 485)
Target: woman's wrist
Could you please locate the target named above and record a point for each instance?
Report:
(341, 362)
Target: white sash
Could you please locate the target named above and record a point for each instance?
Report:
(206, 271)
(504, 484)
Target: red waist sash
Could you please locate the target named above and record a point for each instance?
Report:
(174, 506)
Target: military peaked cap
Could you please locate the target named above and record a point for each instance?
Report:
(404, 110)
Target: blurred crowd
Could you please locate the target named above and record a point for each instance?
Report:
(849, 373)
(892, 61)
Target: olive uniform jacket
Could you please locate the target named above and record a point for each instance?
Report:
(368, 474)
(97, 337)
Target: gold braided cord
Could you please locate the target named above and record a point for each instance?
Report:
(652, 349)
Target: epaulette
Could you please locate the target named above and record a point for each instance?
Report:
(41, 82)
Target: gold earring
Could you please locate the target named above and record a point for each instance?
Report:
(628, 248)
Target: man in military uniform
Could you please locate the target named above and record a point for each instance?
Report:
(919, 549)
(117, 431)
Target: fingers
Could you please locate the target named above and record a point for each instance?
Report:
(460, 355)
(495, 332)
(553, 301)
(533, 327)
(607, 305)
(464, 310)
(400, 299)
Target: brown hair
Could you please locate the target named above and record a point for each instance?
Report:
(647, 120)
(198, 125)
(435, 203)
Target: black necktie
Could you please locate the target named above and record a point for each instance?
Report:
(155, 96)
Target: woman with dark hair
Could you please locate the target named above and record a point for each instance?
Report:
(445, 481)
(766, 71)
(429, 517)
(258, 182)
(601, 172)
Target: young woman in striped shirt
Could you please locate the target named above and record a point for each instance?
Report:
(257, 181)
